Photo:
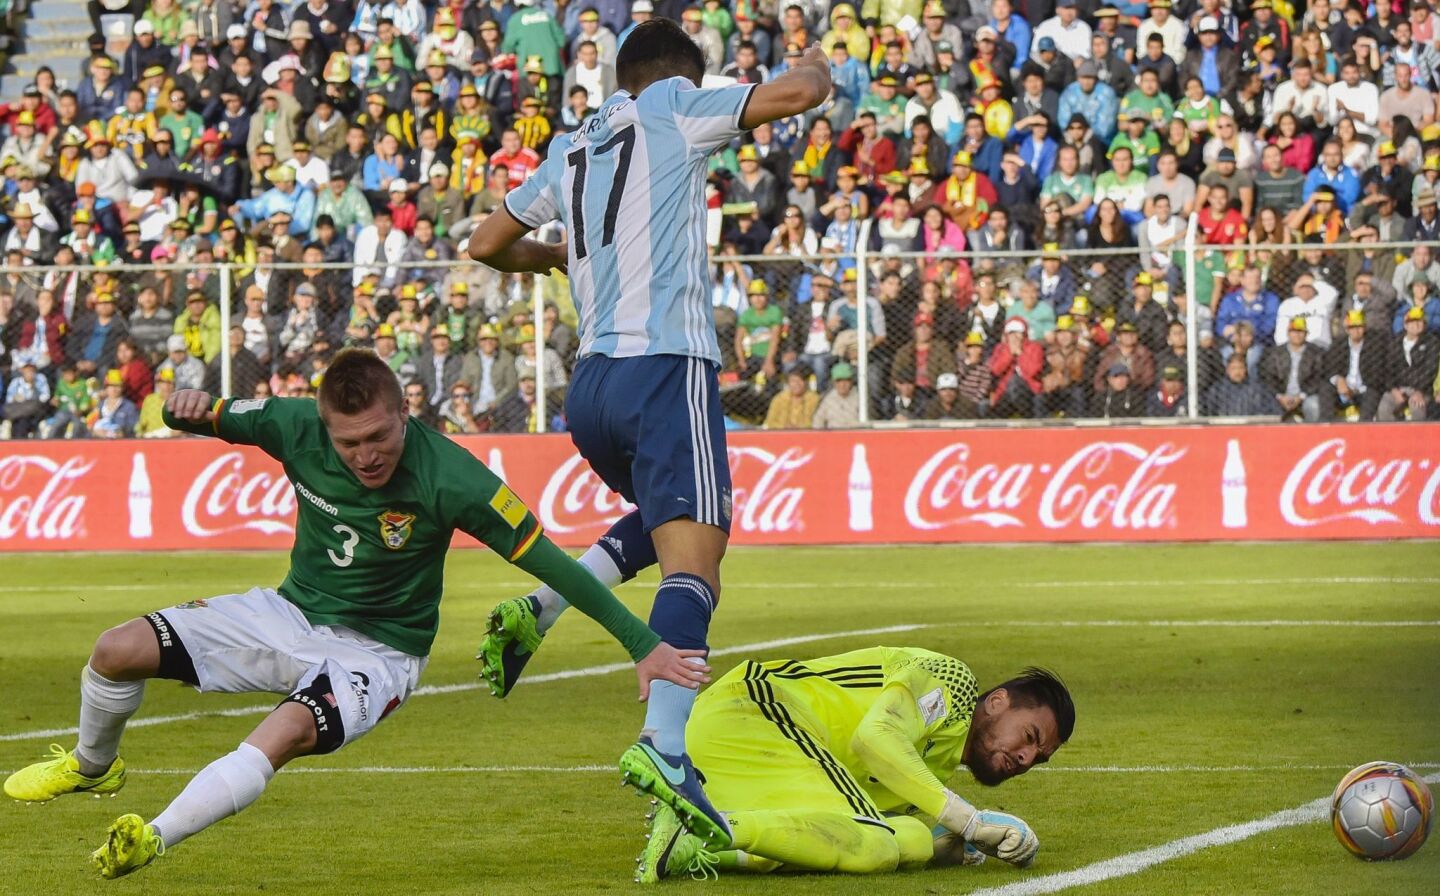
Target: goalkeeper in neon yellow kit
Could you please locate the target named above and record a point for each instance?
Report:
(839, 764)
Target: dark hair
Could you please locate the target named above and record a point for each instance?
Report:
(1038, 687)
(1403, 129)
(356, 380)
(657, 49)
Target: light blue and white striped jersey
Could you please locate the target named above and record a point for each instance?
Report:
(630, 188)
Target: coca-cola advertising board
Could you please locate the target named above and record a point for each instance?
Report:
(1197, 483)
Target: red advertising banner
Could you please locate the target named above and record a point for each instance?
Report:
(1341, 481)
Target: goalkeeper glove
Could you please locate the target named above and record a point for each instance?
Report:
(951, 849)
(998, 834)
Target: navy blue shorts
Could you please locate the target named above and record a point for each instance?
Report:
(652, 429)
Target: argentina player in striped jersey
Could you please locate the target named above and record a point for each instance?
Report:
(643, 406)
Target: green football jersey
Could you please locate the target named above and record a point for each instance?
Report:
(374, 559)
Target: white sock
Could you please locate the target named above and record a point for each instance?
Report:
(222, 789)
(598, 561)
(105, 707)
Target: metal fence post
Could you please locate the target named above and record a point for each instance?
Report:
(862, 278)
(537, 300)
(1192, 342)
(225, 358)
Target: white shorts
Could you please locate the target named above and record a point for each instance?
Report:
(259, 641)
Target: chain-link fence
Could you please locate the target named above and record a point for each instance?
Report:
(1344, 331)
(1290, 331)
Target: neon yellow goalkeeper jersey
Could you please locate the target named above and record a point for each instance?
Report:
(896, 717)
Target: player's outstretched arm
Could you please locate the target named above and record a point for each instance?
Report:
(654, 659)
(501, 243)
(885, 740)
(800, 89)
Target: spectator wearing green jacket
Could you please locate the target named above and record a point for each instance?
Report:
(532, 32)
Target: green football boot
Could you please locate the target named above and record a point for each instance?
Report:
(511, 639)
(130, 845)
(671, 850)
(674, 781)
(59, 775)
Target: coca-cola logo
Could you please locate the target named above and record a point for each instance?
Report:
(224, 499)
(766, 499)
(1325, 486)
(49, 512)
(772, 500)
(1119, 485)
(575, 498)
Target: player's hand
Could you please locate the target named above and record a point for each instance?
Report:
(666, 663)
(1005, 837)
(997, 834)
(556, 258)
(192, 406)
(951, 849)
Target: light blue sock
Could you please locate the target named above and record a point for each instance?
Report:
(666, 715)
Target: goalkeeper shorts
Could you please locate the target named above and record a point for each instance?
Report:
(758, 752)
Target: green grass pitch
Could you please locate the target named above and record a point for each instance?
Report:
(1183, 728)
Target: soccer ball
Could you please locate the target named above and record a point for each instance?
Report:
(1381, 810)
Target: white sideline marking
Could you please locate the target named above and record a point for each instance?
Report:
(607, 668)
(592, 769)
(1107, 583)
(806, 586)
(1206, 623)
(1210, 769)
(428, 690)
(1135, 862)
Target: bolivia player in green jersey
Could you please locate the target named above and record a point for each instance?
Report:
(347, 633)
(831, 764)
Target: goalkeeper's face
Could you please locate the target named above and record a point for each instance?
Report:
(369, 442)
(1007, 739)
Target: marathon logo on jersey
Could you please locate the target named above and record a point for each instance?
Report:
(315, 499)
(511, 509)
(396, 528)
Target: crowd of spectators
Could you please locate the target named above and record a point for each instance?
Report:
(1025, 169)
